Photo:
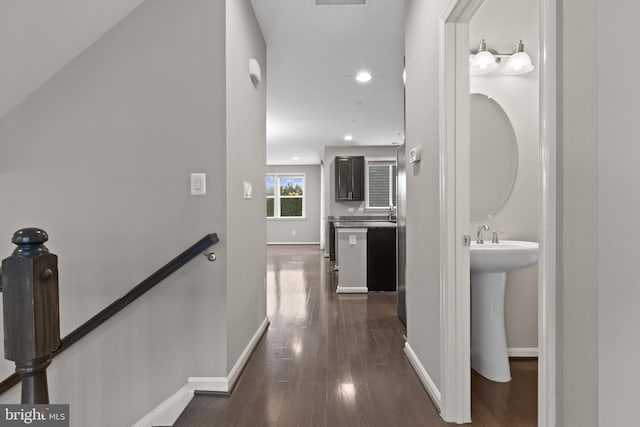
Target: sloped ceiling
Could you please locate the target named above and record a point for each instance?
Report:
(39, 37)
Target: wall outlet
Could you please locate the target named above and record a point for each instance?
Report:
(360, 209)
(352, 239)
(350, 209)
(293, 232)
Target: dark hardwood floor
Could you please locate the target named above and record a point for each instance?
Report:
(338, 360)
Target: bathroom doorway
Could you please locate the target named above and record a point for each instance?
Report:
(456, 227)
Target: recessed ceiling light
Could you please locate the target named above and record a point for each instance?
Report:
(348, 137)
(295, 158)
(363, 76)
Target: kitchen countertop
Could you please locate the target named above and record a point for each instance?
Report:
(358, 218)
(364, 224)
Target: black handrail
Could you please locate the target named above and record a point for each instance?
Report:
(116, 306)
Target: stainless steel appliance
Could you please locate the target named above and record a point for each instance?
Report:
(401, 222)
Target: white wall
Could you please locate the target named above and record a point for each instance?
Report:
(422, 127)
(334, 208)
(307, 229)
(502, 23)
(246, 160)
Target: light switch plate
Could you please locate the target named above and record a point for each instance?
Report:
(352, 239)
(247, 190)
(350, 209)
(198, 184)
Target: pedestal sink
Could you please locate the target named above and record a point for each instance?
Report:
(490, 263)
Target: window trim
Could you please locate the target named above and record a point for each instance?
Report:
(368, 160)
(276, 195)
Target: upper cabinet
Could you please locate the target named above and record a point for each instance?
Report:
(349, 178)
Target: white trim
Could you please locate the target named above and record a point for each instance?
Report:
(547, 216)
(522, 351)
(352, 290)
(294, 243)
(276, 195)
(168, 411)
(455, 295)
(217, 384)
(425, 379)
(246, 354)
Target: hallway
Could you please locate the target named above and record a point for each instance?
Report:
(337, 360)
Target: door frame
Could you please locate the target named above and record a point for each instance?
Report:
(455, 313)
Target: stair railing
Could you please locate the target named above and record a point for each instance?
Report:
(29, 279)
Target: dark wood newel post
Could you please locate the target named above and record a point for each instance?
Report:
(31, 311)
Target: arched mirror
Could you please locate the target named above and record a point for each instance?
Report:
(494, 157)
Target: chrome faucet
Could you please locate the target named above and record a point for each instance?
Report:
(495, 240)
(482, 228)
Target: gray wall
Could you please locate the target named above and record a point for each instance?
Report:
(246, 160)
(334, 208)
(100, 157)
(502, 23)
(308, 229)
(577, 275)
(618, 212)
(597, 213)
(422, 124)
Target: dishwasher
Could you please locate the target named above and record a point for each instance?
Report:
(381, 259)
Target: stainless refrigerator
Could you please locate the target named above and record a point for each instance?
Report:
(401, 241)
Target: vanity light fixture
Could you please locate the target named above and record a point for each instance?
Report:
(484, 61)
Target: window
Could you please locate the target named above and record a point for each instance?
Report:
(381, 184)
(285, 196)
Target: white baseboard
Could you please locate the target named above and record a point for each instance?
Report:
(217, 384)
(168, 411)
(426, 380)
(294, 243)
(244, 357)
(352, 290)
(522, 351)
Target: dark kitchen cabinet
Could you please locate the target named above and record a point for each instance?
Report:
(381, 259)
(349, 178)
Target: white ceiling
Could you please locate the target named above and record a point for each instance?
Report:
(39, 37)
(313, 55)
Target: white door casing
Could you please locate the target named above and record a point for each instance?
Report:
(454, 212)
